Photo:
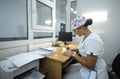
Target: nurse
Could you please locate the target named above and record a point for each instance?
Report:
(89, 56)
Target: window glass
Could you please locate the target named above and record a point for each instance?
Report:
(73, 12)
(38, 35)
(60, 15)
(44, 14)
(13, 20)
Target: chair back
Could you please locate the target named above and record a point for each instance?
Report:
(116, 65)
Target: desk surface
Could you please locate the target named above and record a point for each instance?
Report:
(53, 64)
(58, 54)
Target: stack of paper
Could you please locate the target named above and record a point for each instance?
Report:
(38, 52)
(47, 50)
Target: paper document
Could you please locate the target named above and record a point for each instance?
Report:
(47, 50)
(38, 52)
(64, 49)
(24, 58)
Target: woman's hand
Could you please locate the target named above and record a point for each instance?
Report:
(75, 50)
(68, 53)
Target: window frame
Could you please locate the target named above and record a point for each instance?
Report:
(34, 14)
(31, 29)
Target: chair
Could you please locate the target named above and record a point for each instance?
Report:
(115, 72)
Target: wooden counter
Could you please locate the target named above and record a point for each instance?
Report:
(53, 64)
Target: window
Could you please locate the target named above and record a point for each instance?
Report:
(13, 20)
(73, 12)
(18, 16)
(43, 14)
(60, 15)
(38, 35)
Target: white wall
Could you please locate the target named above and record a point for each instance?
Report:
(110, 28)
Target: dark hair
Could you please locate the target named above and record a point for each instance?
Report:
(88, 22)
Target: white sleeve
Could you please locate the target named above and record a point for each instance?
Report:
(93, 46)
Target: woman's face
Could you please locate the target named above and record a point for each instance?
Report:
(78, 31)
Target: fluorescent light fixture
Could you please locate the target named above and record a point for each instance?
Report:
(97, 16)
(48, 22)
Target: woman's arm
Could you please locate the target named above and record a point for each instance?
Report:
(88, 62)
(75, 50)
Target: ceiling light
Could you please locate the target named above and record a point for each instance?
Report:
(97, 16)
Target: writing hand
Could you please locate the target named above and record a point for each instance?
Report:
(67, 53)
